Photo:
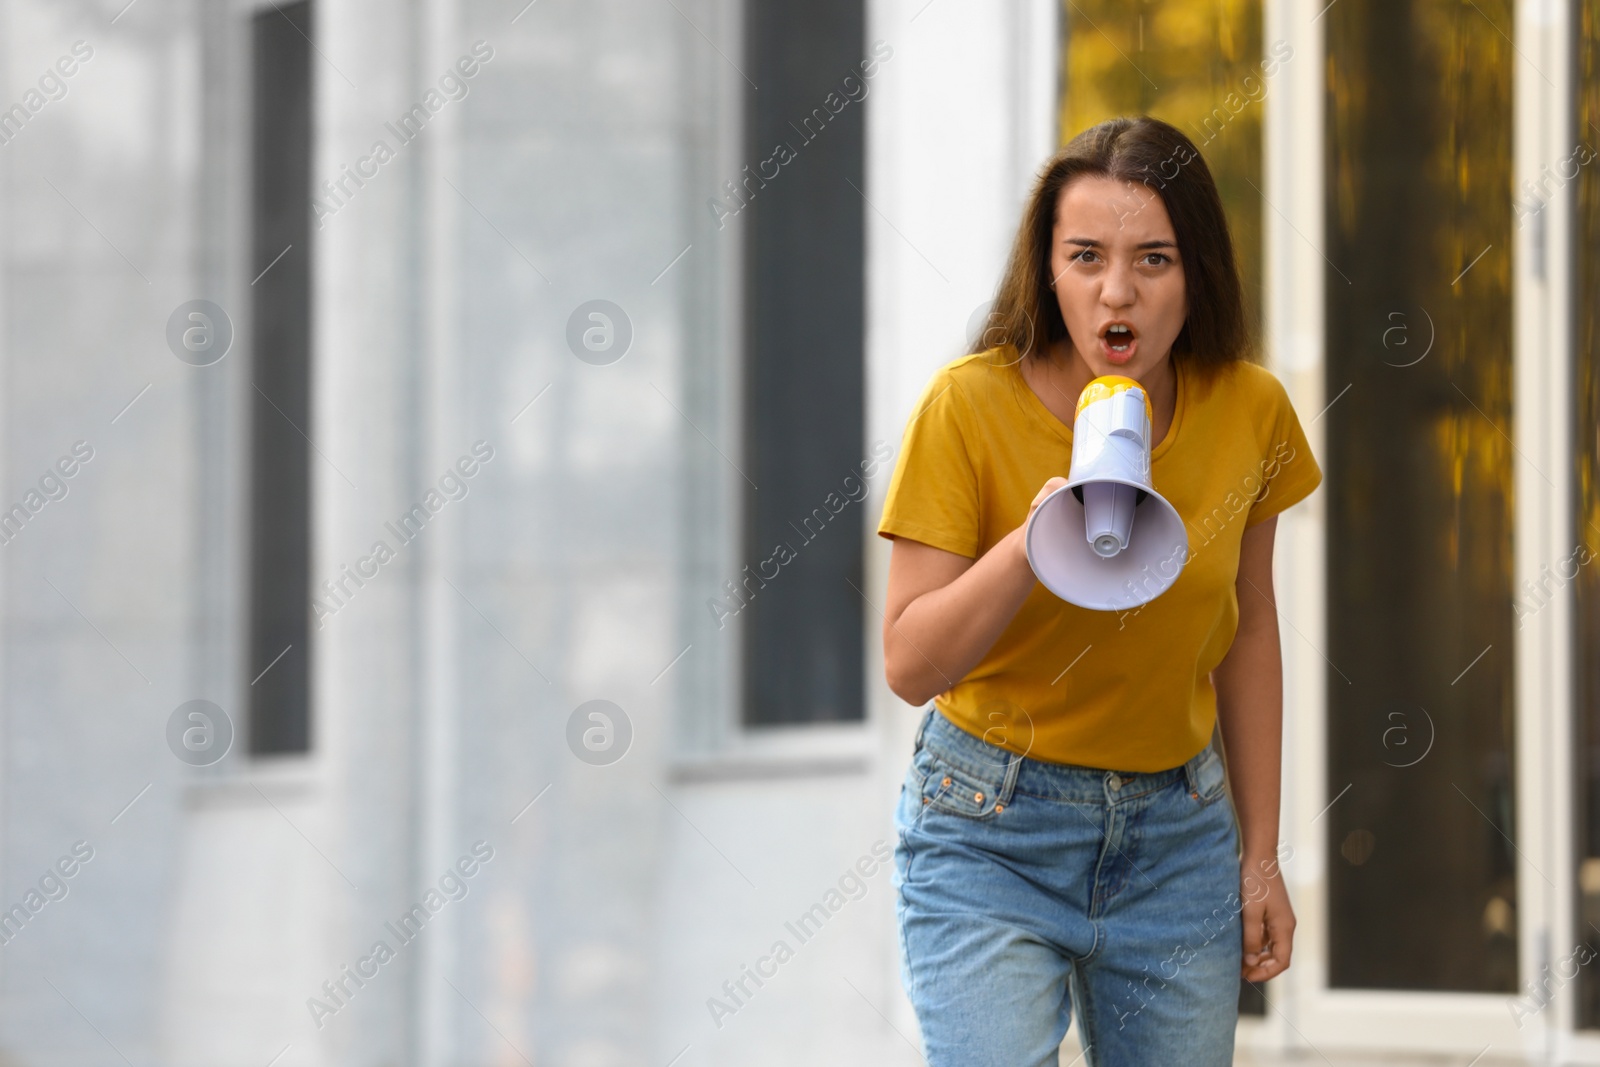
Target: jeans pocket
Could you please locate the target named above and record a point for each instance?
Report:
(958, 791)
(1210, 777)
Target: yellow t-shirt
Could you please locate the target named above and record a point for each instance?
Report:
(1124, 690)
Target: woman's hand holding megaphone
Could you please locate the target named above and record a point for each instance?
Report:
(1017, 540)
(1050, 486)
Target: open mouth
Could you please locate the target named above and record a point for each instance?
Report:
(1119, 338)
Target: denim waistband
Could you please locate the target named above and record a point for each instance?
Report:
(1009, 772)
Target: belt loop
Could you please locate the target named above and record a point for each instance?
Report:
(1191, 769)
(922, 728)
(1013, 769)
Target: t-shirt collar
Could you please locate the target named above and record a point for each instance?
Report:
(1041, 414)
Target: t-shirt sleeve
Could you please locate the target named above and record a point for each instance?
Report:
(933, 492)
(1289, 471)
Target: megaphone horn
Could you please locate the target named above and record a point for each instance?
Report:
(1082, 540)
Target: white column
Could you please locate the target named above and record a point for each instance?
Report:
(443, 368)
(1292, 225)
(962, 117)
(1544, 96)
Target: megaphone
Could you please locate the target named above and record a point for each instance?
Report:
(1107, 540)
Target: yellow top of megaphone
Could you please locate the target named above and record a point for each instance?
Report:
(1109, 385)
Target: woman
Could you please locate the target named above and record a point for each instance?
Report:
(1065, 827)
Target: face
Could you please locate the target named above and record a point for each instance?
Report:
(1114, 259)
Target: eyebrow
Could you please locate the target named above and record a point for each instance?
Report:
(1143, 244)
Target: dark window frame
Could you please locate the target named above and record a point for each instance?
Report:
(803, 346)
(278, 616)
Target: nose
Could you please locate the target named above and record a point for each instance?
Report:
(1117, 286)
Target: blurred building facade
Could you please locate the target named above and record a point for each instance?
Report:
(425, 389)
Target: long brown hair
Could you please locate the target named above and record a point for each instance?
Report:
(1026, 314)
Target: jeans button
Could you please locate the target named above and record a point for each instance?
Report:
(1115, 781)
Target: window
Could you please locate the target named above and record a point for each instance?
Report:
(804, 394)
(278, 644)
(1419, 464)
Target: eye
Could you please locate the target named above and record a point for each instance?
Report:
(1081, 253)
(1159, 256)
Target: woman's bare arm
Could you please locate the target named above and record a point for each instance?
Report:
(1249, 684)
(944, 611)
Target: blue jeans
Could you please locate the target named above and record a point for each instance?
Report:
(1022, 882)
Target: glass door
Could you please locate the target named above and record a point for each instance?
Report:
(1434, 758)
(1581, 169)
(1419, 459)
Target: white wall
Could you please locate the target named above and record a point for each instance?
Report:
(575, 568)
